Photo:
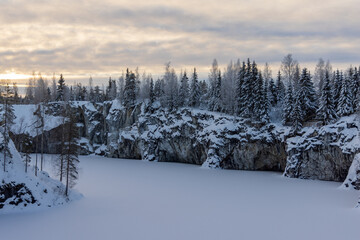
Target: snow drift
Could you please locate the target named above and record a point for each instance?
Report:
(20, 190)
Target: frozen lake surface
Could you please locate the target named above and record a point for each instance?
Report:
(129, 199)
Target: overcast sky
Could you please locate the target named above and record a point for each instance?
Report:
(83, 37)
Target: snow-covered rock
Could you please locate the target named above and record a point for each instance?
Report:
(211, 139)
(352, 180)
(20, 190)
(324, 153)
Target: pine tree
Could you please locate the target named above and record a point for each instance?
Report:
(71, 150)
(265, 103)
(26, 149)
(337, 87)
(152, 93)
(239, 89)
(39, 125)
(280, 89)
(194, 90)
(203, 92)
(60, 89)
(297, 116)
(273, 98)
(213, 74)
(288, 105)
(355, 88)
(129, 89)
(258, 97)
(307, 95)
(345, 104)
(184, 91)
(215, 101)
(7, 121)
(247, 90)
(326, 111)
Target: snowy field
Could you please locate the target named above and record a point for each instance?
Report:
(128, 199)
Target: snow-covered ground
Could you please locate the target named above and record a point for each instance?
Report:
(129, 199)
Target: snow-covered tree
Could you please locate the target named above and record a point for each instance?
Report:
(345, 104)
(280, 89)
(26, 149)
(184, 90)
(338, 80)
(288, 68)
(326, 111)
(129, 89)
(60, 91)
(71, 150)
(307, 95)
(194, 90)
(151, 92)
(297, 116)
(239, 89)
(319, 75)
(215, 101)
(246, 97)
(355, 87)
(213, 75)
(121, 83)
(7, 120)
(288, 105)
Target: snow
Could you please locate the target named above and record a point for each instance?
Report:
(25, 120)
(129, 199)
(46, 191)
(353, 175)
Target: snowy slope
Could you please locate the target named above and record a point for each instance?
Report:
(31, 192)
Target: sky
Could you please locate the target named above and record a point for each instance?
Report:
(80, 38)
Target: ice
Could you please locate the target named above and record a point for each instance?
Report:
(129, 199)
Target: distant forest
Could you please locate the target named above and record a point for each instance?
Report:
(292, 95)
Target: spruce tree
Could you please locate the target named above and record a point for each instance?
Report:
(273, 98)
(194, 90)
(246, 92)
(129, 89)
(297, 116)
(345, 104)
(254, 88)
(337, 86)
(152, 93)
(26, 149)
(288, 105)
(215, 101)
(239, 89)
(355, 88)
(326, 111)
(265, 104)
(184, 91)
(280, 89)
(60, 89)
(7, 121)
(307, 95)
(71, 150)
(258, 97)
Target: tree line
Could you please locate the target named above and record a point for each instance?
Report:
(294, 96)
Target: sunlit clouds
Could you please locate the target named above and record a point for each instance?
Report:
(85, 38)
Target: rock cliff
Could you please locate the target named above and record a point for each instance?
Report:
(212, 140)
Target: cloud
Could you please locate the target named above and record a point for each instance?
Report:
(88, 37)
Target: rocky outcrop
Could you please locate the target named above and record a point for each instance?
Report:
(211, 139)
(122, 137)
(352, 180)
(15, 194)
(324, 153)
